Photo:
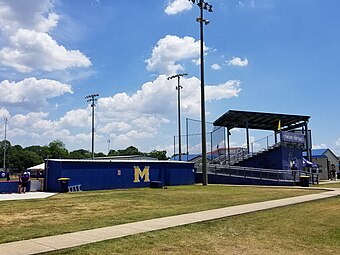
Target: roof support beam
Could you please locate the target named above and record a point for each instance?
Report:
(228, 141)
(308, 145)
(247, 134)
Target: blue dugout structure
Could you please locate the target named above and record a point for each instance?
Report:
(116, 174)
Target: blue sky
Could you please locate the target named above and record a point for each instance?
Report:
(260, 55)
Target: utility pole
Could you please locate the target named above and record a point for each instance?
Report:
(92, 98)
(5, 141)
(178, 88)
(203, 5)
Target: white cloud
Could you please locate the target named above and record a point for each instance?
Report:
(31, 91)
(177, 6)
(171, 49)
(196, 61)
(124, 119)
(76, 118)
(26, 45)
(236, 61)
(150, 123)
(113, 127)
(32, 15)
(249, 4)
(226, 90)
(35, 128)
(216, 67)
(240, 4)
(29, 50)
(4, 113)
(337, 142)
(159, 98)
(153, 98)
(22, 120)
(320, 146)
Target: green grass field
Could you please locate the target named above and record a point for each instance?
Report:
(331, 185)
(72, 212)
(309, 228)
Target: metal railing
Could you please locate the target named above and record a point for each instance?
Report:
(257, 147)
(256, 173)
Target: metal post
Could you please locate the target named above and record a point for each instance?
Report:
(187, 132)
(247, 133)
(203, 5)
(174, 145)
(179, 120)
(228, 140)
(224, 144)
(5, 141)
(92, 132)
(211, 145)
(204, 143)
(308, 145)
(178, 88)
(92, 98)
(108, 146)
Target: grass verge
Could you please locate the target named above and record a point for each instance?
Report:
(72, 212)
(308, 228)
(330, 185)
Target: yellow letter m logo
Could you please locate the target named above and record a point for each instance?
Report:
(141, 174)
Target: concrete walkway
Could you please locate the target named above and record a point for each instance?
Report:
(27, 195)
(52, 243)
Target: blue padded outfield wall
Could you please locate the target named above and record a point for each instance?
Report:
(111, 174)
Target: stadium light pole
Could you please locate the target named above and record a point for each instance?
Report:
(4, 166)
(178, 88)
(203, 5)
(108, 146)
(92, 98)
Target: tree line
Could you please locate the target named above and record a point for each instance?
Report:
(19, 158)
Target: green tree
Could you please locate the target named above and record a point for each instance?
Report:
(113, 153)
(80, 154)
(21, 159)
(100, 154)
(57, 150)
(42, 151)
(2, 144)
(158, 154)
(131, 150)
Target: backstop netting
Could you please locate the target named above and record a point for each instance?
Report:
(192, 140)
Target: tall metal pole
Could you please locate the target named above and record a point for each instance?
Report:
(204, 143)
(108, 146)
(203, 5)
(174, 145)
(187, 137)
(4, 166)
(92, 98)
(178, 88)
(92, 130)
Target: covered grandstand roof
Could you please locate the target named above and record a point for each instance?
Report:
(260, 120)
